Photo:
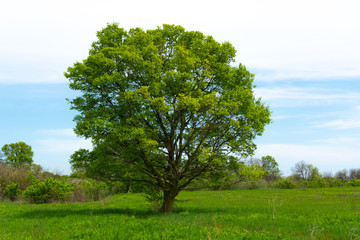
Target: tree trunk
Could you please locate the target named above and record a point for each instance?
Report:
(168, 203)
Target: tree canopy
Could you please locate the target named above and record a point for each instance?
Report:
(170, 102)
(269, 164)
(17, 154)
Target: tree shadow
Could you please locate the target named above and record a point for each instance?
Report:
(59, 213)
(140, 214)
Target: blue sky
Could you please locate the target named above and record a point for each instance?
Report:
(305, 55)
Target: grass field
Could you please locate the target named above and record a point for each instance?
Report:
(332, 213)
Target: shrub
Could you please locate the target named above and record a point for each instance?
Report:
(80, 188)
(97, 190)
(286, 184)
(49, 190)
(10, 174)
(117, 187)
(252, 184)
(316, 182)
(12, 191)
(154, 200)
(354, 182)
(25, 176)
(88, 189)
(335, 182)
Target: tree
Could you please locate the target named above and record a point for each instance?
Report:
(269, 165)
(17, 154)
(100, 164)
(2, 157)
(171, 103)
(343, 174)
(354, 173)
(305, 171)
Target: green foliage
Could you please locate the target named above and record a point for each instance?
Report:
(154, 199)
(10, 174)
(17, 154)
(80, 161)
(49, 190)
(23, 175)
(97, 190)
(314, 172)
(335, 182)
(286, 184)
(326, 213)
(232, 174)
(100, 164)
(271, 166)
(316, 182)
(92, 190)
(251, 172)
(252, 184)
(165, 106)
(354, 182)
(12, 191)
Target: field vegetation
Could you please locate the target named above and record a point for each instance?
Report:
(305, 205)
(327, 213)
(172, 123)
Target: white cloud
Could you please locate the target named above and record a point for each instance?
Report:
(310, 39)
(67, 132)
(53, 148)
(348, 120)
(68, 146)
(280, 117)
(310, 75)
(61, 141)
(341, 124)
(345, 141)
(296, 96)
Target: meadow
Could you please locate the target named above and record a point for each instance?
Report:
(326, 213)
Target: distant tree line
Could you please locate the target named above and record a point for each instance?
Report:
(95, 177)
(21, 179)
(304, 171)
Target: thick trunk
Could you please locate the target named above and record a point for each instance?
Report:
(168, 203)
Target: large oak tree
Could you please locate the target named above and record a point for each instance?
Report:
(171, 102)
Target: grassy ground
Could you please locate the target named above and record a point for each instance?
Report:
(238, 214)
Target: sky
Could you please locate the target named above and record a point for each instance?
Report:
(305, 56)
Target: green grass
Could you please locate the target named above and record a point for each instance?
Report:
(331, 213)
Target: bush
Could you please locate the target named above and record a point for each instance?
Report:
(87, 189)
(252, 184)
(335, 182)
(12, 191)
(79, 193)
(25, 176)
(286, 184)
(97, 190)
(316, 182)
(10, 174)
(154, 200)
(49, 190)
(354, 182)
